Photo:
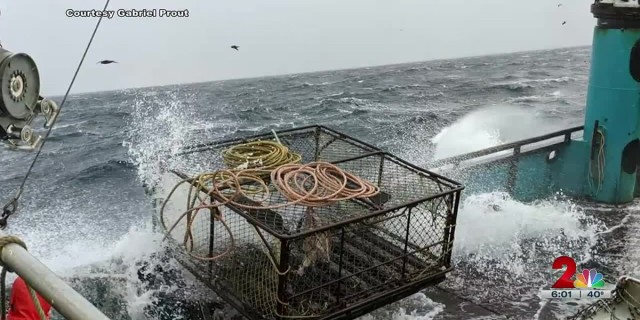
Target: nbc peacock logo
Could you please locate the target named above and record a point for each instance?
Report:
(589, 278)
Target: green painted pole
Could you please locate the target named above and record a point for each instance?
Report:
(612, 116)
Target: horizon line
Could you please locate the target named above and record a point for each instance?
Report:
(315, 71)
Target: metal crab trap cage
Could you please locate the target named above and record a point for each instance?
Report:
(332, 260)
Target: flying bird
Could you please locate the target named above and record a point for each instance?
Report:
(235, 47)
(107, 62)
(559, 4)
(563, 23)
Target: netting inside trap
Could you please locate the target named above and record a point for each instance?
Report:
(334, 256)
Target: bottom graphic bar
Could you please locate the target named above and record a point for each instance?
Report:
(576, 294)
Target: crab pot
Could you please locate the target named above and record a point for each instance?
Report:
(334, 262)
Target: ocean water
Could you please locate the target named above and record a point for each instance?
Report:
(85, 214)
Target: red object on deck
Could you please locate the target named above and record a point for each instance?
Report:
(20, 305)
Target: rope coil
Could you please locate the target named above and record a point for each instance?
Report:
(315, 184)
(264, 155)
(334, 184)
(599, 164)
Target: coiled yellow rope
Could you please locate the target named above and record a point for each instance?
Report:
(255, 160)
(264, 155)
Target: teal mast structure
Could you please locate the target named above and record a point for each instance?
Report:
(612, 115)
(602, 164)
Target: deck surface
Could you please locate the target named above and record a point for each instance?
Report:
(458, 308)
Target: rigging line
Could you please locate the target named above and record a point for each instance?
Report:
(64, 99)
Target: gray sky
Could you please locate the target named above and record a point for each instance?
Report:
(275, 36)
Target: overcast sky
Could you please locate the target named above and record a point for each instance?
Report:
(275, 36)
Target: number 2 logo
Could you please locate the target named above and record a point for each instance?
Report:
(564, 281)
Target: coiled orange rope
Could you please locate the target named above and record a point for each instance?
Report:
(333, 184)
(315, 184)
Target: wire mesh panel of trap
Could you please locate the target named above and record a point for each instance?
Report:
(370, 262)
(324, 261)
(381, 258)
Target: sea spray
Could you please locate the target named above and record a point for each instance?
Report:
(490, 126)
(508, 244)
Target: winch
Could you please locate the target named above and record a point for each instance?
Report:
(21, 102)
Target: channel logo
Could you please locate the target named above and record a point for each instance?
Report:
(589, 278)
(587, 284)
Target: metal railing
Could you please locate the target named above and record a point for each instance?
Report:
(59, 294)
(515, 147)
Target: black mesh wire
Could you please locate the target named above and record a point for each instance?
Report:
(334, 256)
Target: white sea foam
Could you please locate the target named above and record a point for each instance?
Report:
(488, 127)
(415, 307)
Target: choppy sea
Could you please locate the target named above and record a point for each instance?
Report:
(85, 213)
